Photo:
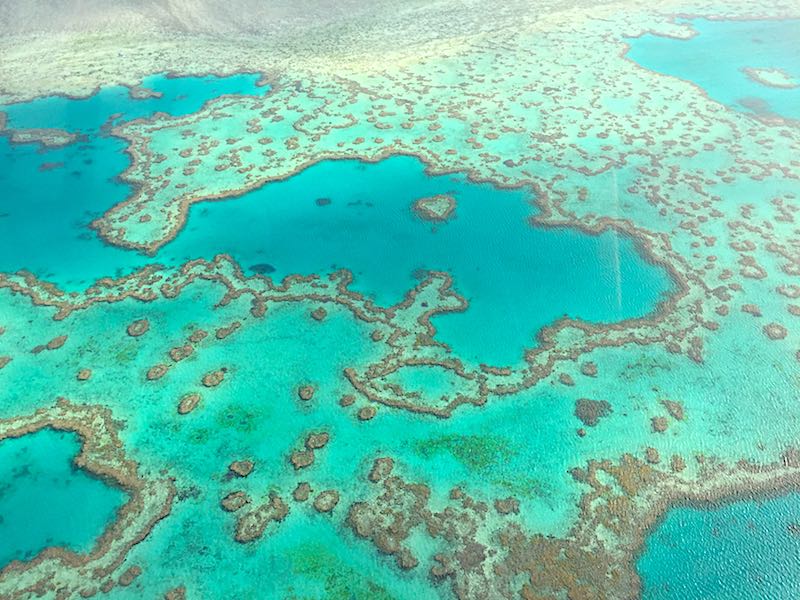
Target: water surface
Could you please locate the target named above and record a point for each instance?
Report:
(50, 196)
(46, 501)
(714, 59)
(349, 214)
(517, 277)
(739, 551)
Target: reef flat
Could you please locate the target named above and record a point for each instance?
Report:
(382, 302)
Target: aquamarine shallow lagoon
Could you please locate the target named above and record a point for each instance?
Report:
(762, 44)
(739, 551)
(517, 277)
(170, 94)
(337, 214)
(46, 501)
(280, 437)
(75, 184)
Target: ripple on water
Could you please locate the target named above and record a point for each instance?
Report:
(739, 551)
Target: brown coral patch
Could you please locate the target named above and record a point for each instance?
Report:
(301, 459)
(367, 413)
(674, 408)
(178, 353)
(129, 575)
(752, 309)
(198, 335)
(381, 469)
(775, 331)
(157, 372)
(139, 327)
(251, 526)
(178, 593)
(388, 521)
(315, 441)
(652, 456)
(302, 491)
(213, 378)
(235, 501)
(589, 369)
(242, 468)
(224, 332)
(659, 424)
(507, 506)
(305, 392)
(677, 463)
(436, 208)
(566, 379)
(326, 501)
(57, 342)
(591, 411)
(188, 403)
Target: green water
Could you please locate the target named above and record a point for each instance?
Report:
(46, 501)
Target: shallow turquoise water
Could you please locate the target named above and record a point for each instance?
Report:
(746, 549)
(759, 44)
(61, 248)
(740, 551)
(179, 96)
(516, 277)
(45, 501)
(254, 414)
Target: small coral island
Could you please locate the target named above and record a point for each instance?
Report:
(776, 78)
(436, 208)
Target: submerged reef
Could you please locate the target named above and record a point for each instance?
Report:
(772, 77)
(485, 554)
(407, 337)
(292, 427)
(59, 571)
(435, 208)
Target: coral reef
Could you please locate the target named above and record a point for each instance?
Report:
(57, 570)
